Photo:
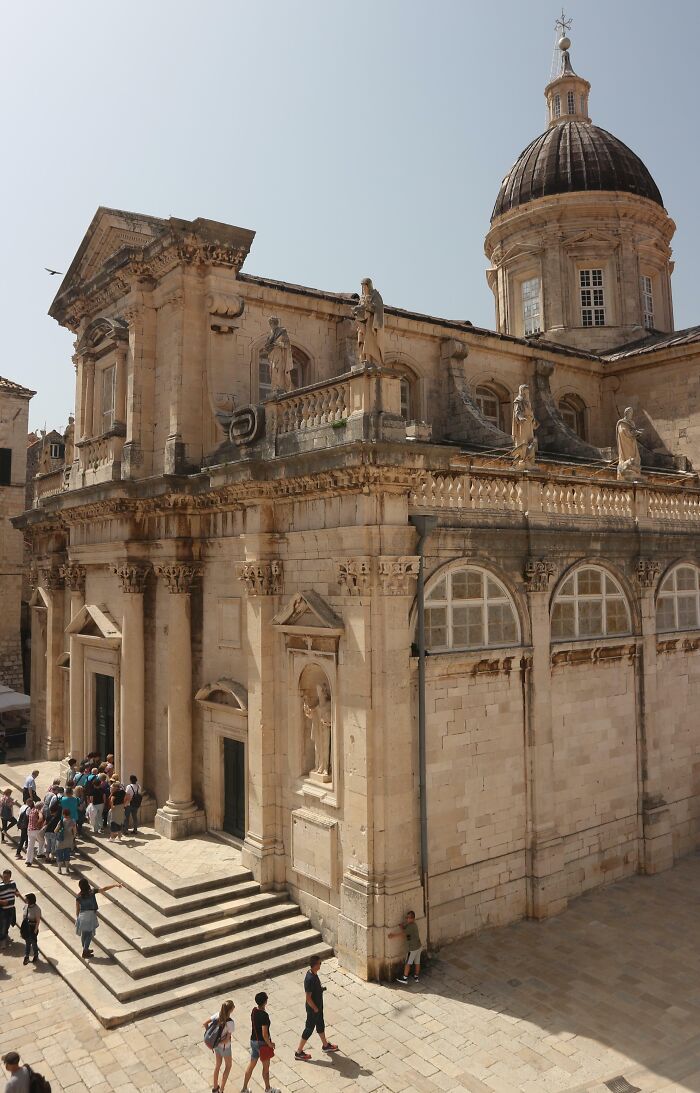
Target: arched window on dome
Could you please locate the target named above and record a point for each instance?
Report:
(557, 106)
(300, 374)
(573, 411)
(678, 601)
(469, 608)
(570, 103)
(493, 402)
(589, 604)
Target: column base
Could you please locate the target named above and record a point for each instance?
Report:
(174, 823)
(546, 880)
(53, 749)
(370, 907)
(265, 859)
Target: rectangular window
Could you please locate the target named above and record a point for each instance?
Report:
(557, 106)
(570, 102)
(530, 292)
(109, 382)
(648, 302)
(592, 297)
(5, 466)
(583, 104)
(56, 451)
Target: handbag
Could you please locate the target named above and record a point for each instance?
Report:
(26, 928)
(266, 1052)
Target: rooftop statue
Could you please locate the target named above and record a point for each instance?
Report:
(524, 426)
(278, 349)
(369, 315)
(629, 461)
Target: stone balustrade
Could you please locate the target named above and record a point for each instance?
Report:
(48, 484)
(465, 492)
(99, 456)
(322, 404)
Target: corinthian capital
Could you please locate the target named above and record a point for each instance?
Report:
(261, 578)
(132, 576)
(396, 574)
(74, 576)
(51, 578)
(178, 576)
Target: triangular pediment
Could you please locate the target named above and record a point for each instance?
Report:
(110, 231)
(593, 236)
(94, 622)
(308, 613)
(39, 598)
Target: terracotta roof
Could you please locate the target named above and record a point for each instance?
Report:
(656, 340)
(15, 388)
(571, 157)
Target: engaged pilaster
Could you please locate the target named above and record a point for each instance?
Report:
(132, 577)
(52, 584)
(74, 579)
(179, 816)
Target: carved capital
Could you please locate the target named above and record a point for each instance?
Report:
(261, 578)
(397, 574)
(646, 572)
(354, 575)
(33, 576)
(51, 578)
(132, 576)
(74, 576)
(538, 574)
(178, 576)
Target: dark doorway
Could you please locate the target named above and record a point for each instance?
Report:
(234, 788)
(104, 714)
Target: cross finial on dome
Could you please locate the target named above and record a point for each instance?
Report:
(563, 25)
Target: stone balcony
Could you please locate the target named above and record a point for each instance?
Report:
(99, 458)
(49, 484)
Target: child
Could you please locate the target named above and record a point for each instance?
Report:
(413, 941)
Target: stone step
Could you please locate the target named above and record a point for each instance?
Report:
(111, 1013)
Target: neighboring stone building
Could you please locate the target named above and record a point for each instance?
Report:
(45, 454)
(14, 417)
(227, 584)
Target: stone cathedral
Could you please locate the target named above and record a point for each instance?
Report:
(227, 571)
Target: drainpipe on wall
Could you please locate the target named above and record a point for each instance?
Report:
(424, 525)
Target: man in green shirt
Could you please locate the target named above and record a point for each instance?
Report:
(413, 941)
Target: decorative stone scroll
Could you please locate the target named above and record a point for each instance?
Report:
(178, 576)
(51, 578)
(222, 311)
(354, 575)
(74, 576)
(261, 578)
(538, 574)
(397, 573)
(646, 572)
(132, 576)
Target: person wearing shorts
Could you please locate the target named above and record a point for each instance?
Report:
(222, 1050)
(259, 1037)
(409, 930)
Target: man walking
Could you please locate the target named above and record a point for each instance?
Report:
(35, 833)
(29, 787)
(414, 945)
(18, 1076)
(314, 1012)
(8, 894)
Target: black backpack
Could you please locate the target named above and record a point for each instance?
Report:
(37, 1082)
(23, 820)
(136, 799)
(118, 796)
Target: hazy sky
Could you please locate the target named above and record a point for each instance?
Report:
(358, 138)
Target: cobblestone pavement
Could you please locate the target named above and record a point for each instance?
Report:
(609, 989)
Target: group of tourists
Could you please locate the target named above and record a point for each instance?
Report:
(219, 1030)
(48, 825)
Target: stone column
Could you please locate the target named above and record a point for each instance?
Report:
(86, 426)
(120, 385)
(546, 880)
(657, 832)
(179, 816)
(52, 583)
(74, 578)
(262, 849)
(130, 746)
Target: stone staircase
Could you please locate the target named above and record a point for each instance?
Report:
(162, 941)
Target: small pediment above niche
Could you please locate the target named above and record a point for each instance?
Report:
(310, 624)
(95, 622)
(224, 692)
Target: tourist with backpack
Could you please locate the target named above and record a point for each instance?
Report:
(261, 1046)
(29, 928)
(218, 1031)
(133, 797)
(65, 840)
(22, 1078)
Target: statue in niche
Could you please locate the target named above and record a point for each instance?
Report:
(369, 316)
(320, 716)
(278, 350)
(524, 426)
(629, 461)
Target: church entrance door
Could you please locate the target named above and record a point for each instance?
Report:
(104, 714)
(234, 788)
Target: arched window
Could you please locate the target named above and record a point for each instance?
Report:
(573, 411)
(300, 374)
(493, 403)
(406, 400)
(589, 604)
(468, 608)
(678, 602)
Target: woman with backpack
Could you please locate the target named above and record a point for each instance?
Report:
(261, 1046)
(218, 1031)
(86, 920)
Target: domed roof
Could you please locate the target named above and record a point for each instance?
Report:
(571, 157)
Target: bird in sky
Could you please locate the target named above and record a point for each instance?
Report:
(53, 272)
